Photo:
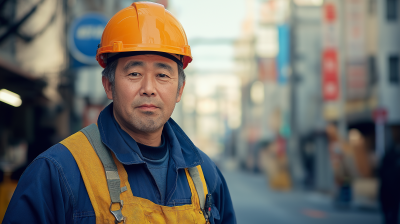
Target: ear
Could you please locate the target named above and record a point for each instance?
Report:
(107, 87)
(180, 93)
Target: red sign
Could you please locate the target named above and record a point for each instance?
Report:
(380, 115)
(329, 12)
(330, 76)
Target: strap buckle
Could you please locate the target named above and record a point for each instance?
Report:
(207, 206)
(118, 214)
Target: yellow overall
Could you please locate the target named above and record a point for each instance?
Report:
(135, 209)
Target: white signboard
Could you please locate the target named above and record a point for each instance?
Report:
(355, 17)
(356, 66)
(330, 24)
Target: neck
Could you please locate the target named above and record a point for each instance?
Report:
(153, 139)
(145, 138)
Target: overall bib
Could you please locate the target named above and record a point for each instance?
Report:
(131, 209)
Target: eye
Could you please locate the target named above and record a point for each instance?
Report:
(134, 74)
(161, 75)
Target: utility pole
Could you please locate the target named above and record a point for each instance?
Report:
(296, 168)
(342, 122)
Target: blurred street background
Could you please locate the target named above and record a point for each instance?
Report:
(297, 101)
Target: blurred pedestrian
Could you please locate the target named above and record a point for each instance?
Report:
(136, 165)
(389, 175)
(274, 163)
(338, 152)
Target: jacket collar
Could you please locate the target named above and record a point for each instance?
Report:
(182, 150)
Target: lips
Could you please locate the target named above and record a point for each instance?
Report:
(147, 107)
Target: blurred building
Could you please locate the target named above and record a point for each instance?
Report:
(342, 69)
(33, 94)
(386, 57)
(32, 61)
(262, 62)
(369, 73)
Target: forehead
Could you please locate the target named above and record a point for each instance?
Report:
(148, 60)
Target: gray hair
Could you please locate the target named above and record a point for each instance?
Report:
(109, 73)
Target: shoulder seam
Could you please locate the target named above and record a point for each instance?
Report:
(214, 187)
(63, 178)
(216, 179)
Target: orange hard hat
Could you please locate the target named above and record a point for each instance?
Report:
(144, 27)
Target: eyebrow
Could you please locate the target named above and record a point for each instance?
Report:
(132, 64)
(140, 63)
(164, 66)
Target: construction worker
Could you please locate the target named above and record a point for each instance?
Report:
(135, 165)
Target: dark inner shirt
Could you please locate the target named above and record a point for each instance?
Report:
(157, 161)
(153, 153)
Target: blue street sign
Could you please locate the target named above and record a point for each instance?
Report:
(284, 54)
(85, 35)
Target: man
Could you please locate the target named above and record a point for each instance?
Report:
(136, 165)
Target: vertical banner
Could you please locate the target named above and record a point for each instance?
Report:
(330, 75)
(355, 17)
(330, 43)
(356, 67)
(330, 24)
(283, 58)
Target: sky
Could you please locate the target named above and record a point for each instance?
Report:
(210, 20)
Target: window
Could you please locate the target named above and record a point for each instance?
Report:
(394, 76)
(391, 10)
(373, 77)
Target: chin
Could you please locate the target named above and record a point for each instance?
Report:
(148, 125)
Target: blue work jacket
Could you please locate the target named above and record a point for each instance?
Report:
(52, 190)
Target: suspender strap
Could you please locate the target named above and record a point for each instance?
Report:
(205, 198)
(113, 181)
(198, 184)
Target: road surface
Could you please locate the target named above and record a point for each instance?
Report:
(255, 203)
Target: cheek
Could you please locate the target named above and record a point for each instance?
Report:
(169, 97)
(126, 91)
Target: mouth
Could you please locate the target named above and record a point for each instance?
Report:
(147, 107)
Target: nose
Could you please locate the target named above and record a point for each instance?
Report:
(148, 86)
